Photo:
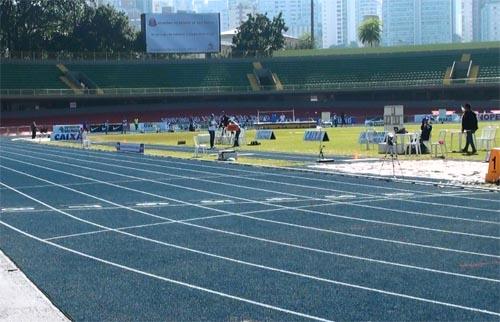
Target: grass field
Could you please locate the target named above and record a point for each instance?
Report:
(343, 141)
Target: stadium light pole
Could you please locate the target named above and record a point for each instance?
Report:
(312, 24)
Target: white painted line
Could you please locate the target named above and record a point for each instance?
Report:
(233, 260)
(227, 214)
(340, 197)
(151, 204)
(399, 194)
(17, 209)
(192, 286)
(215, 202)
(85, 207)
(278, 199)
(264, 203)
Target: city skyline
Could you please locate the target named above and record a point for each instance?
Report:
(336, 22)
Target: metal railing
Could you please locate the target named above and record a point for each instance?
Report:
(223, 90)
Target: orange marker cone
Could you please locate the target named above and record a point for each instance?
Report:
(493, 174)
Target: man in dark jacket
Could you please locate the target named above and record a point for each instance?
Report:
(469, 124)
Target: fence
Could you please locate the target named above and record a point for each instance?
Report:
(179, 91)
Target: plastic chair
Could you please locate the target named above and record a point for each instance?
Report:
(413, 145)
(487, 138)
(441, 143)
(201, 143)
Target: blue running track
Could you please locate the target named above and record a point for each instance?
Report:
(112, 236)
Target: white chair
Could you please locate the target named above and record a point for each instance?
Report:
(413, 144)
(487, 138)
(441, 143)
(242, 139)
(201, 142)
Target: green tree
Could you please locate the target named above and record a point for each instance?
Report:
(259, 36)
(62, 25)
(369, 32)
(305, 42)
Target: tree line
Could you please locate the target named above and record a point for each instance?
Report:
(61, 25)
(81, 26)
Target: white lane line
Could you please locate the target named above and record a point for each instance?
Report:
(192, 286)
(84, 207)
(264, 267)
(399, 194)
(327, 214)
(293, 184)
(17, 209)
(340, 197)
(245, 216)
(151, 204)
(228, 214)
(330, 180)
(357, 203)
(261, 219)
(215, 201)
(278, 199)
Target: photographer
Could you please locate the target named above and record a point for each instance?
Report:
(425, 135)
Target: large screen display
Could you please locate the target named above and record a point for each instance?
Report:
(182, 33)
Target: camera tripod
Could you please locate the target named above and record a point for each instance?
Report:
(391, 151)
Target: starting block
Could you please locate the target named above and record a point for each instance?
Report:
(493, 174)
(226, 155)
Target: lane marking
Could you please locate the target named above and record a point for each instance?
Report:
(192, 286)
(227, 212)
(334, 282)
(17, 209)
(278, 199)
(340, 197)
(215, 202)
(84, 207)
(399, 194)
(359, 204)
(254, 218)
(327, 214)
(260, 173)
(151, 204)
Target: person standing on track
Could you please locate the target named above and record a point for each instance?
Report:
(233, 126)
(212, 127)
(33, 128)
(469, 125)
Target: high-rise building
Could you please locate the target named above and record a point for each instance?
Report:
(334, 23)
(238, 11)
(471, 15)
(467, 18)
(490, 24)
(398, 18)
(296, 14)
(415, 22)
(358, 11)
(214, 6)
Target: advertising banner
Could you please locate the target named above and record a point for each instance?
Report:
(182, 33)
(69, 132)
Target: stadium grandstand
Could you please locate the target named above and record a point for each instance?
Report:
(357, 83)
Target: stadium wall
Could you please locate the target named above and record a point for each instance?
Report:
(360, 104)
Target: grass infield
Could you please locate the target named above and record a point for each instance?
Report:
(343, 141)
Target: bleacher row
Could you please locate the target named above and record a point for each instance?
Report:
(233, 73)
